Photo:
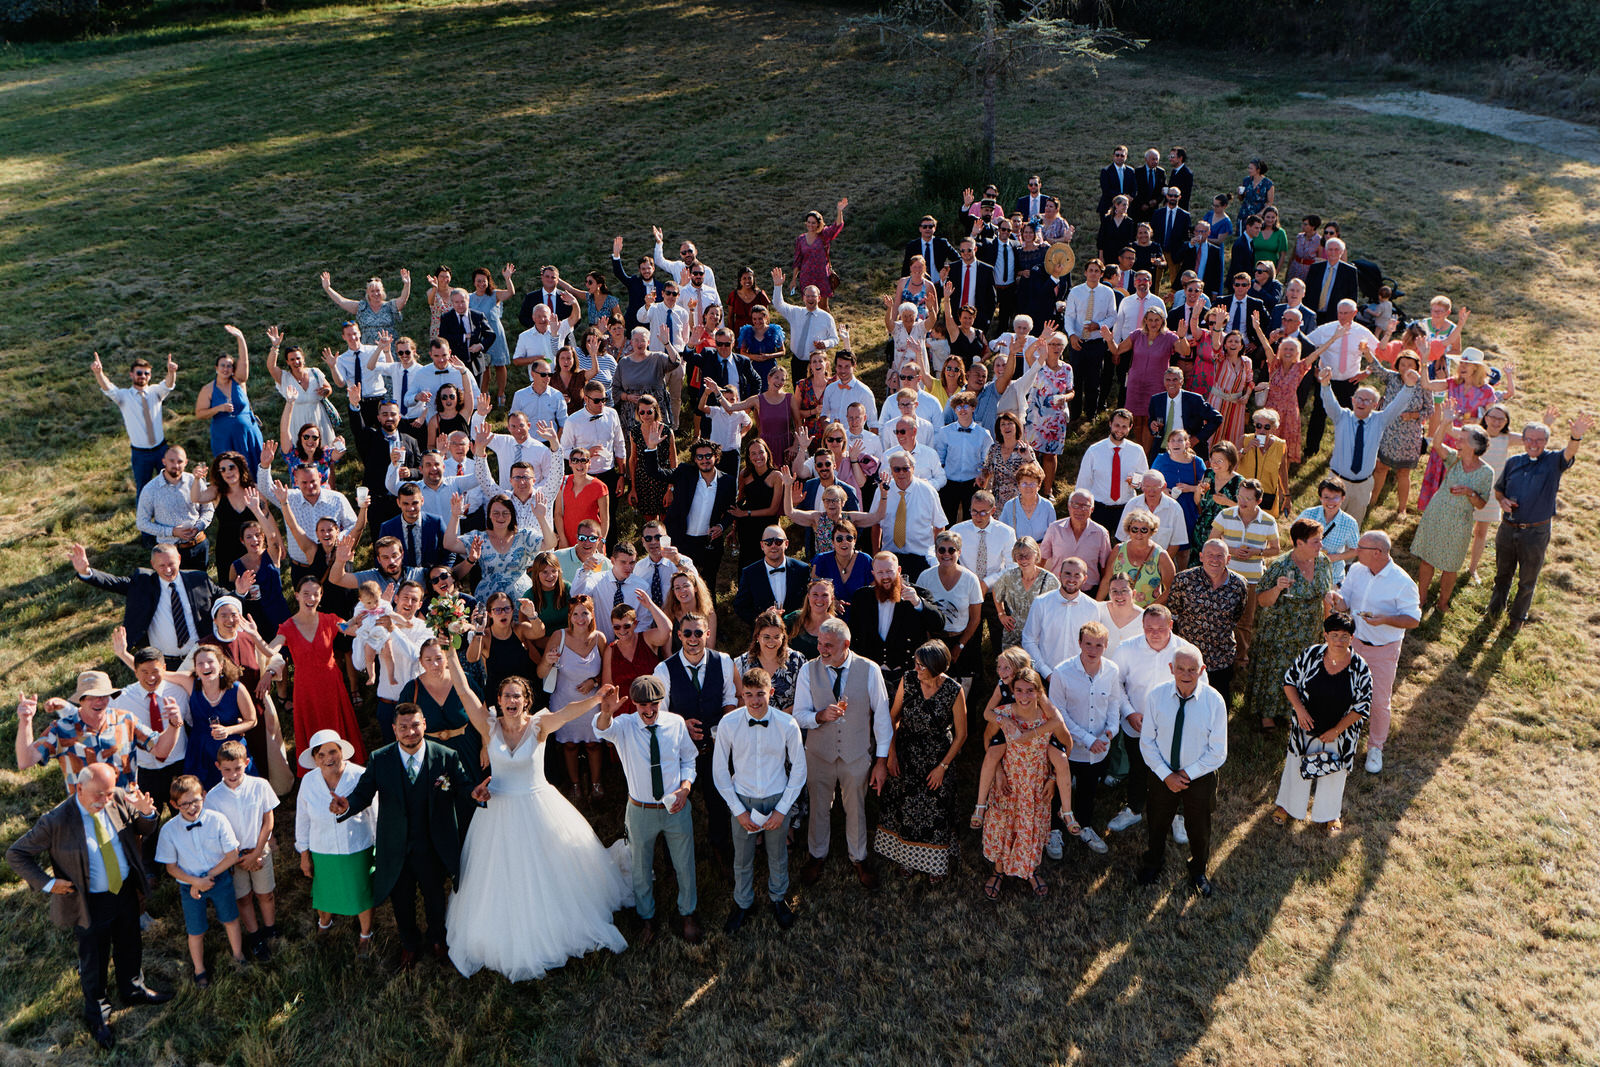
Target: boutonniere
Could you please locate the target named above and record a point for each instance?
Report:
(442, 783)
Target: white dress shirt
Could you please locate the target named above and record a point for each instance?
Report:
(997, 539)
(373, 382)
(548, 406)
(1130, 314)
(1173, 530)
(245, 808)
(533, 345)
(329, 505)
(924, 514)
(1086, 305)
(508, 450)
(701, 508)
(436, 498)
(135, 700)
(679, 272)
(163, 634)
(926, 457)
(1203, 742)
(133, 403)
(406, 646)
(196, 846)
(667, 326)
(631, 738)
(1389, 592)
(806, 706)
(927, 432)
(1094, 473)
(316, 829)
(1345, 357)
(1050, 635)
(403, 383)
(1091, 704)
(806, 327)
(433, 378)
(928, 409)
(730, 687)
(758, 754)
(601, 434)
(837, 398)
(1144, 669)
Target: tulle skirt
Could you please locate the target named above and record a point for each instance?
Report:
(537, 888)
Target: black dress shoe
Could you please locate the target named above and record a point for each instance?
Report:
(101, 1032)
(782, 912)
(408, 958)
(1148, 877)
(812, 870)
(735, 920)
(143, 994)
(1201, 884)
(691, 929)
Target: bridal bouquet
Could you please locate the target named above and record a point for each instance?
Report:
(448, 617)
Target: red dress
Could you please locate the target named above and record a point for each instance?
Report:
(320, 699)
(575, 507)
(625, 669)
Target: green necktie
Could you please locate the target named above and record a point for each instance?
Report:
(658, 788)
(1177, 732)
(108, 855)
(694, 673)
(413, 765)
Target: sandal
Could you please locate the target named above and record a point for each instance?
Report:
(1040, 889)
(977, 816)
(991, 887)
(1280, 817)
(1070, 821)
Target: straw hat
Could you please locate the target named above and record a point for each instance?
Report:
(320, 738)
(1058, 260)
(94, 684)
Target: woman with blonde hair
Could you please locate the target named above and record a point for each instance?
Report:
(805, 622)
(689, 595)
(1148, 567)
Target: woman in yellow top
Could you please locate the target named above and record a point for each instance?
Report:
(1145, 564)
(1264, 456)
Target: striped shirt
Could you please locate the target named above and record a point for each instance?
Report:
(71, 742)
(1258, 535)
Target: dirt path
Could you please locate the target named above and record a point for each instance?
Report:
(1553, 135)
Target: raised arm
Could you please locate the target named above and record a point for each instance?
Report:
(241, 362)
(345, 304)
(551, 721)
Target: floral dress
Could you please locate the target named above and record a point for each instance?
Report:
(810, 397)
(1201, 374)
(783, 679)
(1445, 532)
(507, 572)
(1284, 630)
(1467, 403)
(1211, 505)
(918, 296)
(1019, 818)
(917, 825)
(1046, 423)
(1002, 472)
(1307, 250)
(1008, 589)
(811, 263)
(385, 320)
(1401, 444)
(1233, 377)
(1283, 396)
(1254, 198)
(649, 488)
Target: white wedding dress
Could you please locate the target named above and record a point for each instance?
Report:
(537, 888)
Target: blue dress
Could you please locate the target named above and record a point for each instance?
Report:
(238, 430)
(1183, 475)
(826, 566)
(507, 572)
(490, 308)
(201, 758)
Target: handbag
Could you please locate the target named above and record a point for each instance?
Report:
(331, 413)
(1314, 765)
(833, 279)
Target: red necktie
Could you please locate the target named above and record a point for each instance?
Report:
(966, 295)
(460, 469)
(155, 713)
(1116, 473)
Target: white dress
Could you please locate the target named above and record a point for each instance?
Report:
(536, 888)
(570, 674)
(302, 407)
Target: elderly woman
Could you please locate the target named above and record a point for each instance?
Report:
(1146, 565)
(1445, 532)
(1291, 597)
(375, 313)
(769, 649)
(1264, 456)
(1329, 689)
(336, 856)
(917, 828)
(1029, 513)
(1049, 401)
(1018, 819)
(826, 519)
(1018, 587)
(1401, 444)
(1007, 455)
(907, 332)
(811, 263)
(641, 373)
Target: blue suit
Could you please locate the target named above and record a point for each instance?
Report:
(423, 550)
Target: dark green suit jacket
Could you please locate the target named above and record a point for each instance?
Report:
(443, 781)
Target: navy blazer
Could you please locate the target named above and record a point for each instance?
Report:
(1200, 419)
(1110, 189)
(430, 544)
(943, 252)
(909, 627)
(636, 286)
(680, 481)
(142, 591)
(1346, 286)
(533, 300)
(479, 332)
(982, 289)
(1211, 273)
(755, 592)
(1181, 225)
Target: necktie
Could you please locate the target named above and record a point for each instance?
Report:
(412, 767)
(899, 539)
(774, 570)
(616, 598)
(983, 552)
(1174, 415)
(1358, 454)
(357, 353)
(1177, 733)
(1166, 234)
(460, 469)
(963, 429)
(655, 581)
(970, 279)
(658, 788)
(1238, 314)
(927, 253)
(405, 381)
(805, 342)
(155, 713)
(838, 681)
(1116, 473)
(550, 300)
(411, 546)
(180, 625)
(694, 674)
(758, 722)
(108, 855)
(516, 453)
(1328, 274)
(149, 420)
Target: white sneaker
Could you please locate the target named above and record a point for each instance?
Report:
(1052, 847)
(1092, 839)
(1180, 832)
(1122, 820)
(1374, 760)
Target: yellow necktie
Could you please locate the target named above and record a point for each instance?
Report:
(108, 856)
(900, 521)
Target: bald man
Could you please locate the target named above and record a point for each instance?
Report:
(1184, 742)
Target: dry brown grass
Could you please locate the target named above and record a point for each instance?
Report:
(152, 195)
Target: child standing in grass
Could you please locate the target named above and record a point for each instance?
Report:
(198, 847)
(247, 802)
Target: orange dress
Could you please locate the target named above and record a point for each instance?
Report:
(320, 699)
(1019, 820)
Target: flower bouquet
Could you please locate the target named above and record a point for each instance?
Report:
(448, 617)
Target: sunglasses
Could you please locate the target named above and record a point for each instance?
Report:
(945, 550)
(844, 538)
(541, 374)
(707, 456)
(440, 577)
(1140, 529)
(691, 633)
(901, 470)
(651, 539)
(578, 459)
(773, 541)
(587, 539)
(1263, 425)
(697, 274)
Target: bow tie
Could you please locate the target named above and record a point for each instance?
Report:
(595, 418)
(758, 722)
(963, 429)
(776, 570)
(197, 825)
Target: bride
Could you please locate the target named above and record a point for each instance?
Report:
(536, 888)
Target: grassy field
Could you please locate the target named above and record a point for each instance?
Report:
(156, 188)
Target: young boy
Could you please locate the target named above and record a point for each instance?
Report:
(760, 792)
(197, 847)
(247, 801)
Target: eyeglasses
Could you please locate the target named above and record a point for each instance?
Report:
(901, 470)
(902, 431)
(1263, 425)
(1140, 529)
(502, 610)
(651, 539)
(541, 374)
(774, 541)
(587, 539)
(705, 456)
(578, 459)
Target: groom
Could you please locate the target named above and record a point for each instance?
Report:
(419, 842)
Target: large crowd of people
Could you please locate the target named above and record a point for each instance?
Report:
(461, 546)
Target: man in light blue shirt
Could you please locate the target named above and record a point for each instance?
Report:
(1356, 432)
(1340, 532)
(962, 446)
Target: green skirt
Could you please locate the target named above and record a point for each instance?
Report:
(342, 885)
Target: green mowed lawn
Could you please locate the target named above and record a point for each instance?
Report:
(157, 188)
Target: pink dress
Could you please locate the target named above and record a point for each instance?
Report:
(1232, 377)
(811, 260)
(1148, 368)
(1019, 819)
(1283, 384)
(1202, 374)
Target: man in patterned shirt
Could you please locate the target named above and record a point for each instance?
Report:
(93, 732)
(167, 514)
